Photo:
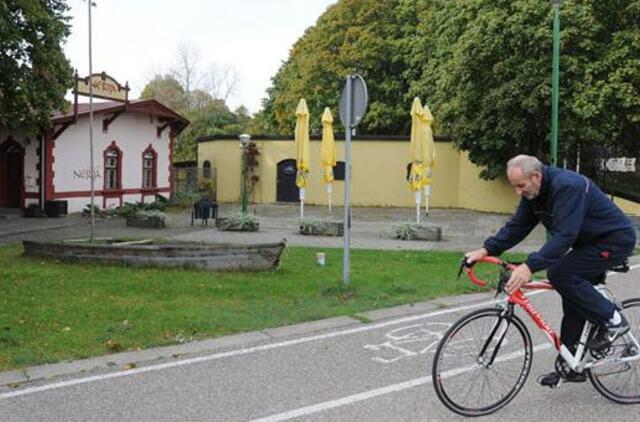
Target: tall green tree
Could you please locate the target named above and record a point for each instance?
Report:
(488, 64)
(370, 37)
(483, 66)
(34, 72)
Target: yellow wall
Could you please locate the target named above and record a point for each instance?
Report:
(378, 176)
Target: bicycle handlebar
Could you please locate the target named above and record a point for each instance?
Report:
(508, 266)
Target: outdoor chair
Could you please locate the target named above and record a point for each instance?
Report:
(204, 209)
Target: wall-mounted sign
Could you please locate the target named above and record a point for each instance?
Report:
(103, 85)
(86, 174)
(619, 164)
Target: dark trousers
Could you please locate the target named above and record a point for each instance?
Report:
(576, 273)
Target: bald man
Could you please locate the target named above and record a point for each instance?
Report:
(588, 235)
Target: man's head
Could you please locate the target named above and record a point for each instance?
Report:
(525, 175)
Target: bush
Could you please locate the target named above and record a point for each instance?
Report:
(405, 231)
(186, 198)
(150, 214)
(247, 222)
(311, 225)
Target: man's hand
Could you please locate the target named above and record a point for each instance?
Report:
(476, 255)
(519, 277)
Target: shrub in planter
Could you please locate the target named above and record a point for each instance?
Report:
(318, 227)
(238, 222)
(416, 231)
(147, 219)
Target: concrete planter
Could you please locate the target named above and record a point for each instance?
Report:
(418, 231)
(146, 223)
(324, 228)
(225, 224)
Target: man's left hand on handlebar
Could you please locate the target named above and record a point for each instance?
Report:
(520, 276)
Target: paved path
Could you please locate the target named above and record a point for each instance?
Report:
(371, 228)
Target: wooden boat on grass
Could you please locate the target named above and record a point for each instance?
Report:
(214, 257)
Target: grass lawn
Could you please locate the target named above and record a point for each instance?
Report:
(52, 311)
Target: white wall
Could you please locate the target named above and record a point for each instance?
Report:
(132, 133)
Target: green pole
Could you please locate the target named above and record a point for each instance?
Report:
(244, 142)
(244, 180)
(555, 82)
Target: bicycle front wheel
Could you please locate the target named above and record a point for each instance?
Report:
(620, 381)
(482, 362)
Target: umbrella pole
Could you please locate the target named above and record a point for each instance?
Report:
(427, 194)
(329, 190)
(418, 206)
(301, 203)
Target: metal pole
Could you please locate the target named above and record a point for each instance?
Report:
(93, 221)
(244, 179)
(244, 142)
(346, 259)
(555, 82)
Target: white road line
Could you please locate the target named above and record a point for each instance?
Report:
(246, 351)
(332, 404)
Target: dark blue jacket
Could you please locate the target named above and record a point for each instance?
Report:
(572, 208)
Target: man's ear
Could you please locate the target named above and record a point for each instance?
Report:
(537, 176)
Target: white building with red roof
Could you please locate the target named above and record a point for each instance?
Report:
(132, 143)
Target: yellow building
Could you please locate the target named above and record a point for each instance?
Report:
(378, 174)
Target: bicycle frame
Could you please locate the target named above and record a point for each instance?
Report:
(577, 362)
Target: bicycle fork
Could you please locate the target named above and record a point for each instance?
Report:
(499, 331)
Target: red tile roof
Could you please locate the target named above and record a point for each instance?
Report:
(136, 106)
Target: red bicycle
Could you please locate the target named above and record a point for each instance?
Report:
(484, 359)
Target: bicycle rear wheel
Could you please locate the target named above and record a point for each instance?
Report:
(620, 381)
(482, 362)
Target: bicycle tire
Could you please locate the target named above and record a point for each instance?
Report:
(626, 376)
(450, 382)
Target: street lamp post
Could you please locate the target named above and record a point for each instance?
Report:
(244, 143)
(91, 166)
(555, 81)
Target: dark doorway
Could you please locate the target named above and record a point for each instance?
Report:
(11, 174)
(286, 189)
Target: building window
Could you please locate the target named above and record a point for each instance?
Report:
(149, 168)
(338, 171)
(112, 167)
(206, 169)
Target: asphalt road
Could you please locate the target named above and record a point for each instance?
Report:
(377, 371)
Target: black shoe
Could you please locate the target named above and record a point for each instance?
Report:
(552, 379)
(609, 333)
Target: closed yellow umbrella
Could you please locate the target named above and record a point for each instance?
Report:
(422, 152)
(302, 149)
(328, 151)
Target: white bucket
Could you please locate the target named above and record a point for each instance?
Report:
(320, 258)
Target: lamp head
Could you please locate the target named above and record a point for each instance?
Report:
(244, 139)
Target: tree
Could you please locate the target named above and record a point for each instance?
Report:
(167, 90)
(201, 99)
(221, 81)
(365, 36)
(34, 72)
(483, 66)
(489, 70)
(185, 69)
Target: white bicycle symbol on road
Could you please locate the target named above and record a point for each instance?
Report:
(409, 341)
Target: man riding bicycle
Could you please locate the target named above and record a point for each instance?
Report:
(588, 235)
